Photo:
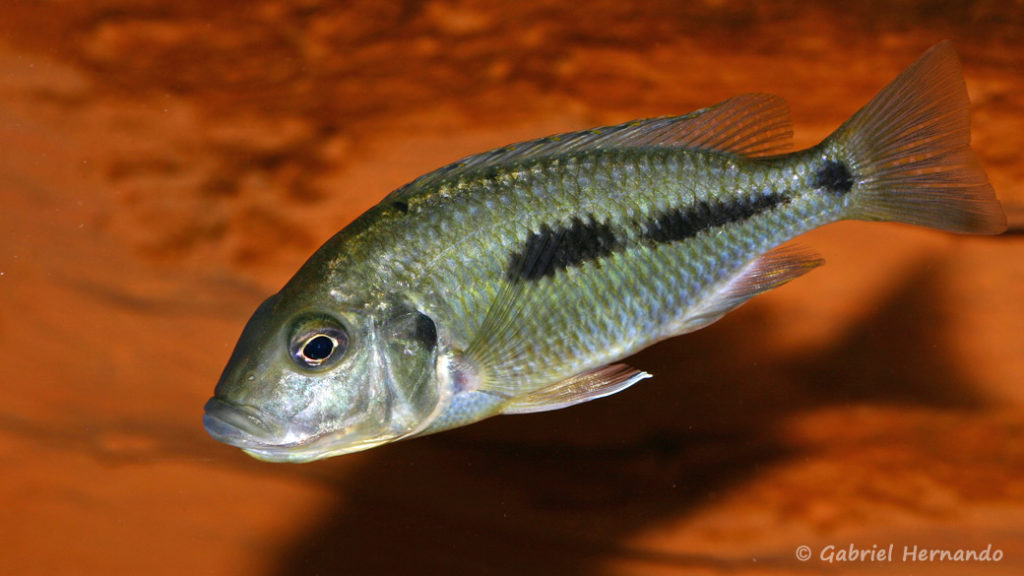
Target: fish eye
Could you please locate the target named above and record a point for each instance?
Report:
(317, 342)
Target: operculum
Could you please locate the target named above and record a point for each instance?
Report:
(409, 347)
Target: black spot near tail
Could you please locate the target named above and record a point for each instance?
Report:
(834, 177)
(553, 249)
(685, 222)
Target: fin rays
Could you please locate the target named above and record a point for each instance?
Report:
(749, 125)
(912, 154)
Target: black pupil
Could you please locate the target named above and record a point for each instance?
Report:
(318, 348)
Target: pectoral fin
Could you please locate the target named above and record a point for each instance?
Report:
(580, 388)
(501, 342)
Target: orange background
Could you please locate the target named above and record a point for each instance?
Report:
(165, 165)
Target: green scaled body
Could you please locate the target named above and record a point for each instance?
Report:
(513, 281)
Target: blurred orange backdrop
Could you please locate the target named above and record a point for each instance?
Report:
(166, 165)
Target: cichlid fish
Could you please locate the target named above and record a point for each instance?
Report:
(514, 280)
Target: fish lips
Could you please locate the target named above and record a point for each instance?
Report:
(244, 427)
(236, 425)
(247, 428)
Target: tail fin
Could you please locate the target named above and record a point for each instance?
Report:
(911, 154)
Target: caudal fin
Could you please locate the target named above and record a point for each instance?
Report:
(911, 155)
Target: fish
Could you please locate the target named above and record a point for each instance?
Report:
(517, 280)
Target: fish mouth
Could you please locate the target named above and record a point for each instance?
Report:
(243, 427)
(236, 425)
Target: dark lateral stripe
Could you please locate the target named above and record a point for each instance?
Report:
(834, 177)
(685, 222)
(553, 249)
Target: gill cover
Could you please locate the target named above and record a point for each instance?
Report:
(408, 350)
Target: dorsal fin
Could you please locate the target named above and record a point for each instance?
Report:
(747, 125)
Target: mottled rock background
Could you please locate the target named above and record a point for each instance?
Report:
(164, 165)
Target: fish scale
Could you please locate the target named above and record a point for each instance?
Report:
(560, 316)
(517, 280)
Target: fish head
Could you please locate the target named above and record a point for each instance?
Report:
(313, 381)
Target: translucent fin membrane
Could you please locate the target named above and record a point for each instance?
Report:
(911, 154)
(748, 125)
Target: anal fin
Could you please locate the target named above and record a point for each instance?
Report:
(577, 389)
(769, 270)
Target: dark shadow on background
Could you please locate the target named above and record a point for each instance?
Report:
(557, 493)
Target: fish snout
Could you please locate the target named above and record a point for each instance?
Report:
(236, 425)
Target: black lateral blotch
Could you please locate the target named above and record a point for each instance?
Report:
(834, 177)
(551, 249)
(676, 224)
